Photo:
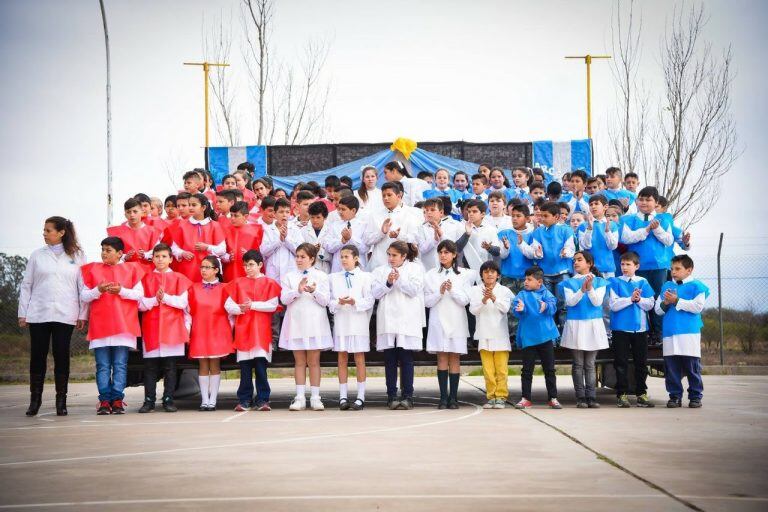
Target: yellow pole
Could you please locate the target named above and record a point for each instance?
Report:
(588, 61)
(206, 68)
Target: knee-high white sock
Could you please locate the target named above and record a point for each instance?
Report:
(343, 390)
(361, 390)
(301, 391)
(315, 391)
(204, 395)
(214, 389)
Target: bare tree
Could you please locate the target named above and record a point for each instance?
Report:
(291, 100)
(696, 142)
(692, 142)
(256, 19)
(628, 132)
(217, 43)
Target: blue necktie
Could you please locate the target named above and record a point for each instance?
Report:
(347, 276)
(305, 272)
(208, 286)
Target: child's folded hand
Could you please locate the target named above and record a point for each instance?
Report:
(520, 306)
(543, 306)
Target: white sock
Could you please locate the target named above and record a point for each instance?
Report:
(301, 391)
(343, 390)
(203, 381)
(361, 390)
(214, 389)
(315, 391)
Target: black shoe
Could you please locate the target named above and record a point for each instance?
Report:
(453, 404)
(168, 405)
(61, 405)
(147, 406)
(406, 403)
(35, 394)
(344, 404)
(674, 403)
(392, 404)
(592, 404)
(358, 405)
(581, 404)
(443, 404)
(203, 408)
(694, 404)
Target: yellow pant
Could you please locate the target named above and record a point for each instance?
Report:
(495, 369)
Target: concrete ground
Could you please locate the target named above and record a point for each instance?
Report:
(714, 458)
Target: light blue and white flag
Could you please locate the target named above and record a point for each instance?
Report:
(224, 160)
(561, 157)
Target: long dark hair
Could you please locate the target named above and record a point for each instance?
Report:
(397, 165)
(69, 240)
(207, 208)
(451, 247)
(590, 261)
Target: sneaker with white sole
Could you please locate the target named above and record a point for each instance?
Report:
(299, 404)
(524, 403)
(316, 403)
(554, 404)
(490, 404)
(500, 404)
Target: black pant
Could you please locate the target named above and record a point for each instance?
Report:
(151, 369)
(546, 354)
(393, 356)
(624, 343)
(44, 335)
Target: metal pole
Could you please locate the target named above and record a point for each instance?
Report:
(109, 117)
(588, 61)
(206, 67)
(720, 297)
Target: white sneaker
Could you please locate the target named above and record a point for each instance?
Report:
(490, 404)
(500, 404)
(316, 403)
(299, 404)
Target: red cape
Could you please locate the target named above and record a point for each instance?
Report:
(211, 332)
(111, 314)
(254, 328)
(245, 237)
(164, 324)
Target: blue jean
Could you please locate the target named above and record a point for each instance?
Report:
(674, 369)
(111, 372)
(551, 282)
(393, 356)
(656, 278)
(245, 389)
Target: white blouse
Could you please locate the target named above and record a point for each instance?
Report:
(50, 289)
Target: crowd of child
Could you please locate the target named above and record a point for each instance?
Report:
(241, 267)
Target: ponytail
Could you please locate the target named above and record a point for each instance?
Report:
(591, 261)
(208, 211)
(409, 250)
(69, 240)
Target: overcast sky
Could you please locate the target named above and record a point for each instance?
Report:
(428, 70)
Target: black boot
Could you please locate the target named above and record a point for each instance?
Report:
(442, 381)
(61, 394)
(36, 393)
(453, 402)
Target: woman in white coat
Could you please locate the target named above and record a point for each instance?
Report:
(49, 303)
(446, 293)
(400, 318)
(306, 330)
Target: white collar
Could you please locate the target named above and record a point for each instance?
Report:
(57, 249)
(196, 222)
(642, 215)
(686, 280)
(628, 279)
(166, 271)
(582, 276)
(215, 281)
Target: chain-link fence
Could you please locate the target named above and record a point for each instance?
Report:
(735, 329)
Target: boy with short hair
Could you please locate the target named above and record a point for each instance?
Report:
(613, 189)
(578, 199)
(630, 297)
(649, 234)
(513, 262)
(349, 230)
(228, 182)
(631, 182)
(600, 236)
(534, 307)
(241, 237)
(479, 186)
(552, 245)
(537, 191)
(163, 328)
(480, 240)
(554, 192)
(314, 231)
(680, 304)
(138, 238)
(225, 199)
(286, 237)
(193, 182)
(301, 208)
(113, 290)
(437, 226)
(253, 300)
(496, 215)
(396, 221)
